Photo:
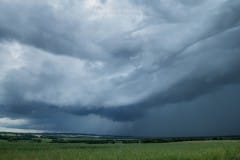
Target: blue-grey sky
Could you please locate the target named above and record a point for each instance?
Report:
(129, 67)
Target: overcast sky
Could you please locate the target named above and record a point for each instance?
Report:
(129, 67)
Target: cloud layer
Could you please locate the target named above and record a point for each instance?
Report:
(112, 62)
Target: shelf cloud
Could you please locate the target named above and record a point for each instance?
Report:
(73, 66)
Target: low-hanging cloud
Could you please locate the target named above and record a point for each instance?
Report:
(84, 58)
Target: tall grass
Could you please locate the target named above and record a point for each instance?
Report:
(198, 150)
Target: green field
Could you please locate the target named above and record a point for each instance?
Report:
(194, 150)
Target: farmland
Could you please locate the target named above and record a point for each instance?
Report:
(46, 149)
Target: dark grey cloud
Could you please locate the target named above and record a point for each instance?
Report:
(209, 115)
(26, 22)
(113, 63)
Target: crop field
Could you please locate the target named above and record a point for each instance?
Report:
(192, 150)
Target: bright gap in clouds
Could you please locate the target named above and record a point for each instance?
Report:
(12, 122)
(17, 130)
(92, 3)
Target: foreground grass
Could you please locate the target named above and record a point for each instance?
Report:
(198, 150)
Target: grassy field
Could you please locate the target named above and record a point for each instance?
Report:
(195, 150)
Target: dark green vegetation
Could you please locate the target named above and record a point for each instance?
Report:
(84, 147)
(96, 139)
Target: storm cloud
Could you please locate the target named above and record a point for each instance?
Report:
(77, 65)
